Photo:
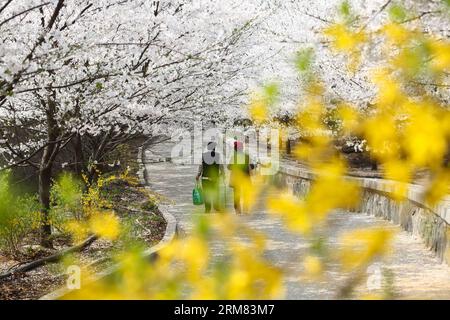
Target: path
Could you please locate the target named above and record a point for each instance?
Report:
(417, 273)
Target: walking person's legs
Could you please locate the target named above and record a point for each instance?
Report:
(207, 197)
(237, 199)
(245, 200)
(216, 198)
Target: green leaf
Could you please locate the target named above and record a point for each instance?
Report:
(414, 59)
(345, 9)
(271, 89)
(99, 86)
(319, 246)
(17, 215)
(271, 92)
(397, 13)
(67, 192)
(304, 59)
(202, 226)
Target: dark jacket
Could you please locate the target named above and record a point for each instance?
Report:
(211, 167)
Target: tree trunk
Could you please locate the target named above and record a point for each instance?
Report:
(45, 176)
(97, 155)
(288, 146)
(45, 171)
(50, 259)
(374, 165)
(79, 156)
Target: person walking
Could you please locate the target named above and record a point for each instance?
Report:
(240, 168)
(210, 171)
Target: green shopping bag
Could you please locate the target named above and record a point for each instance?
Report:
(197, 196)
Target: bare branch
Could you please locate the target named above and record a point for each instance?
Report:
(23, 12)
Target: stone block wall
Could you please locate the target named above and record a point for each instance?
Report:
(413, 215)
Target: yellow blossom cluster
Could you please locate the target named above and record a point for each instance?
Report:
(407, 130)
(187, 269)
(98, 217)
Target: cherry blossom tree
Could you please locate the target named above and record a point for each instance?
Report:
(296, 32)
(109, 71)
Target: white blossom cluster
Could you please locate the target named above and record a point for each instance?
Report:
(119, 68)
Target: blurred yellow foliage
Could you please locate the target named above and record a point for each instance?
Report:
(259, 111)
(105, 224)
(441, 55)
(360, 247)
(406, 131)
(344, 39)
(313, 267)
(184, 270)
(293, 211)
(396, 33)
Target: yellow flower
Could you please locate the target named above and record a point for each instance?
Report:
(400, 172)
(303, 151)
(78, 230)
(259, 110)
(425, 137)
(396, 33)
(105, 225)
(381, 134)
(349, 117)
(441, 55)
(371, 296)
(344, 39)
(250, 187)
(238, 283)
(313, 267)
(292, 210)
(206, 289)
(439, 187)
(362, 246)
(330, 190)
(389, 91)
(195, 253)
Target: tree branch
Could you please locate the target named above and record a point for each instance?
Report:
(50, 259)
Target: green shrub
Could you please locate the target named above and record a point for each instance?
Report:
(19, 216)
(150, 205)
(66, 201)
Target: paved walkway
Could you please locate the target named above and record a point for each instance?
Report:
(416, 272)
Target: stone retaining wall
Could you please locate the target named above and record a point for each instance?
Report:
(430, 224)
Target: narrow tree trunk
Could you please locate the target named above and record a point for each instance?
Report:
(45, 171)
(374, 165)
(45, 176)
(288, 146)
(79, 156)
(98, 154)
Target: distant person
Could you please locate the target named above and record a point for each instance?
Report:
(211, 171)
(240, 168)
